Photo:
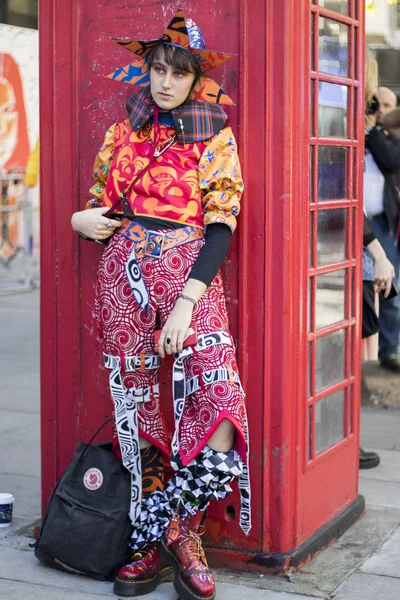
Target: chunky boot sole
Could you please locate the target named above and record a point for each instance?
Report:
(183, 590)
(126, 587)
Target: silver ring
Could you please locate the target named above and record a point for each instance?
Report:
(109, 224)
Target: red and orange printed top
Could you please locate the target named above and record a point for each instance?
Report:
(193, 184)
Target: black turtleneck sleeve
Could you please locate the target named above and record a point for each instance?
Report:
(213, 253)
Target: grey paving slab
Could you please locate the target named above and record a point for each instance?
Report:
(380, 429)
(49, 584)
(20, 399)
(386, 560)
(27, 569)
(327, 570)
(9, 534)
(239, 592)
(332, 566)
(11, 422)
(362, 586)
(378, 493)
(388, 470)
(21, 446)
(26, 491)
(12, 590)
(15, 590)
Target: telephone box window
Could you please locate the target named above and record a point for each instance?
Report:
(333, 47)
(331, 247)
(330, 359)
(329, 421)
(330, 300)
(332, 110)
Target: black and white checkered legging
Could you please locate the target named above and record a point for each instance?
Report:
(207, 477)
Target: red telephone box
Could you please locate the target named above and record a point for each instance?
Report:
(293, 277)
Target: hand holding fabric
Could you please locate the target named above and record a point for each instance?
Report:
(383, 268)
(176, 326)
(92, 225)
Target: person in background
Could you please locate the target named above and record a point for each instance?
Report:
(381, 204)
(377, 272)
(387, 102)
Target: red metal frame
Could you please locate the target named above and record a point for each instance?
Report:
(59, 274)
(341, 459)
(266, 276)
(347, 205)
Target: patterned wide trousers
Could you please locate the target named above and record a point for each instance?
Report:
(206, 383)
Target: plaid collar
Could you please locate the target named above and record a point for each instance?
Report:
(194, 121)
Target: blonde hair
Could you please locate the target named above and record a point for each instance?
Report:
(371, 76)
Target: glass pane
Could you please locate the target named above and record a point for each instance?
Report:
(339, 6)
(332, 171)
(312, 43)
(312, 239)
(310, 430)
(331, 247)
(329, 421)
(333, 47)
(312, 88)
(351, 397)
(356, 168)
(309, 369)
(332, 110)
(312, 171)
(310, 303)
(352, 353)
(330, 353)
(355, 74)
(330, 302)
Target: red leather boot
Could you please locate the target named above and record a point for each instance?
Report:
(143, 574)
(181, 547)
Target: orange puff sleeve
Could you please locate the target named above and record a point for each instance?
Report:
(101, 167)
(221, 180)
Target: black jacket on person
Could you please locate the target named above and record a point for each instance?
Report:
(385, 151)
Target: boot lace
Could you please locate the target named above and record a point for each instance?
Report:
(192, 542)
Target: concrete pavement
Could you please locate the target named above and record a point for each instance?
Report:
(363, 565)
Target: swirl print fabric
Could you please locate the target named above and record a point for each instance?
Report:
(126, 330)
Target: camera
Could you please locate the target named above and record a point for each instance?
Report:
(372, 106)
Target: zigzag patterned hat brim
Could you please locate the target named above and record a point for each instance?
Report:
(183, 33)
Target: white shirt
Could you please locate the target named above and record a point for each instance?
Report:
(374, 183)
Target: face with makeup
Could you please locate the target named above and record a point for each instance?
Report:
(169, 85)
(8, 121)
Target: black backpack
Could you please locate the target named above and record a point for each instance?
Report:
(86, 528)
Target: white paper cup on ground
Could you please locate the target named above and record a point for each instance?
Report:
(6, 508)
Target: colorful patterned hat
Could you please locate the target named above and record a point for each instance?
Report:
(183, 33)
